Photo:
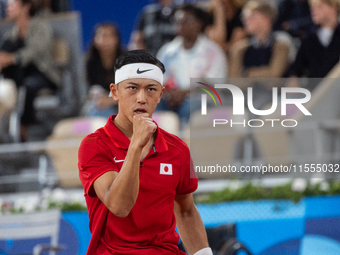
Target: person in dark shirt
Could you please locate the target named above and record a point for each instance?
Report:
(263, 55)
(294, 17)
(320, 50)
(154, 27)
(105, 49)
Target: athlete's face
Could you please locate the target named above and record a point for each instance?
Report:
(137, 96)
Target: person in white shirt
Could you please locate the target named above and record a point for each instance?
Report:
(189, 55)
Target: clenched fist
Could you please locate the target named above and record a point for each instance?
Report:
(143, 129)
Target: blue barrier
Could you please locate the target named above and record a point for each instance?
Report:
(124, 13)
(266, 227)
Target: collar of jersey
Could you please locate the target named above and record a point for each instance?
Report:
(120, 140)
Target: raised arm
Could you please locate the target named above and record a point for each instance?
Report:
(119, 191)
(218, 30)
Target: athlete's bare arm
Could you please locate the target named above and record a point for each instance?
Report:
(119, 191)
(189, 224)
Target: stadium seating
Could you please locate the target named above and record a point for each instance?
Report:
(63, 147)
(8, 114)
(215, 145)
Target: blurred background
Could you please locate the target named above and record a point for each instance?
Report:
(54, 84)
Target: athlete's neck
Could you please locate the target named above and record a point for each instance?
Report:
(124, 125)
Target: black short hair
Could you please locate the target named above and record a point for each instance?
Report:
(137, 56)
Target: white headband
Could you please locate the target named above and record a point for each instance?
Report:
(139, 70)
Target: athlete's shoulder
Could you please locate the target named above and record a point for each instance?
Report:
(174, 141)
(93, 145)
(93, 137)
(94, 140)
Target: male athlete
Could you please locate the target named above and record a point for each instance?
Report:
(138, 179)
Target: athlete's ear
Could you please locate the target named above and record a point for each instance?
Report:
(114, 91)
(160, 96)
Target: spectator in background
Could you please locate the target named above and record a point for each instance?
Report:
(294, 17)
(320, 50)
(227, 27)
(60, 5)
(48, 6)
(154, 27)
(105, 48)
(263, 55)
(189, 55)
(44, 7)
(26, 56)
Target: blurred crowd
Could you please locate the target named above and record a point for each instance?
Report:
(205, 39)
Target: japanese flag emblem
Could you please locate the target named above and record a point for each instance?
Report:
(166, 169)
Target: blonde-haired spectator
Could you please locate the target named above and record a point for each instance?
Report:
(263, 55)
(320, 50)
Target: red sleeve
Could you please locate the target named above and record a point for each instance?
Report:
(94, 159)
(189, 180)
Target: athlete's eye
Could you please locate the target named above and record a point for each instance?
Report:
(152, 89)
(132, 87)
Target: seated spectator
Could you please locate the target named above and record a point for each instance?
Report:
(320, 51)
(104, 50)
(189, 55)
(227, 27)
(263, 55)
(294, 17)
(26, 56)
(154, 27)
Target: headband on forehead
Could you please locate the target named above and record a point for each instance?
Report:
(139, 70)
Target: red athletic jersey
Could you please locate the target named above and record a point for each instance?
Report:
(166, 171)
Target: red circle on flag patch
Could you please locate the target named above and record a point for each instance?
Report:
(166, 169)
